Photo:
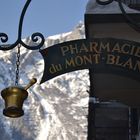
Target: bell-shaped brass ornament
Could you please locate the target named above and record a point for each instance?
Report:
(14, 98)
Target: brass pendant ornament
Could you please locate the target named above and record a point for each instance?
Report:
(14, 96)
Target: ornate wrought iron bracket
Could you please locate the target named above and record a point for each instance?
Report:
(104, 2)
(37, 37)
(131, 22)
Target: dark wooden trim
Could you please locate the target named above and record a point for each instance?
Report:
(95, 19)
(91, 133)
(86, 27)
(108, 18)
(135, 6)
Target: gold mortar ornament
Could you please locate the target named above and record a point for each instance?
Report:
(14, 97)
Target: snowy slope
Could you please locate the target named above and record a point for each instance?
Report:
(55, 110)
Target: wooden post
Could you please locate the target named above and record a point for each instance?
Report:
(134, 123)
(101, 25)
(91, 109)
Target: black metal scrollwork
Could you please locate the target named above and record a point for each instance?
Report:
(4, 37)
(37, 38)
(131, 22)
(135, 25)
(104, 2)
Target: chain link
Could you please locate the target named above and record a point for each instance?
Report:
(17, 65)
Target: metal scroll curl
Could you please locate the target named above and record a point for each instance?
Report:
(37, 37)
(135, 25)
(104, 2)
(3, 37)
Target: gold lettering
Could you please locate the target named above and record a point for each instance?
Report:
(94, 47)
(132, 50)
(83, 48)
(58, 67)
(87, 59)
(55, 68)
(137, 65)
(73, 49)
(125, 48)
(118, 61)
(104, 47)
(128, 64)
(79, 61)
(97, 58)
(116, 48)
(69, 63)
(110, 59)
(137, 53)
(64, 49)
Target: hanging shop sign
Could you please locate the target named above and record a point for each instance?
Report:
(104, 55)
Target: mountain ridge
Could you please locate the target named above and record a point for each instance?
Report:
(54, 110)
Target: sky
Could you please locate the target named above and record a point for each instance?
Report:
(50, 17)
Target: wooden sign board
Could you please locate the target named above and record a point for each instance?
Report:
(113, 85)
(116, 65)
(104, 55)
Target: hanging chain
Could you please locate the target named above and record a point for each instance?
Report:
(17, 65)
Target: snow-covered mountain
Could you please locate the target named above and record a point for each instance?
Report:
(54, 110)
